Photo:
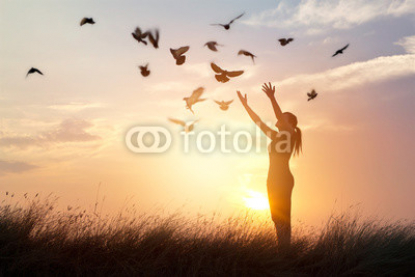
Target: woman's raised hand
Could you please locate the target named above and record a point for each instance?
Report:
(269, 90)
(244, 99)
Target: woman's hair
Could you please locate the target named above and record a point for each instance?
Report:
(292, 120)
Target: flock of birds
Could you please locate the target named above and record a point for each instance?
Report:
(221, 75)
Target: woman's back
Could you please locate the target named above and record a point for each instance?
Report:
(280, 150)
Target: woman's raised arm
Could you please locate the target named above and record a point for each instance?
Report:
(267, 130)
(270, 92)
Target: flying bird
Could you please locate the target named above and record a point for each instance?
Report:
(246, 53)
(285, 41)
(187, 126)
(311, 95)
(222, 75)
(227, 26)
(178, 54)
(34, 70)
(139, 35)
(340, 51)
(223, 105)
(194, 98)
(212, 45)
(154, 40)
(144, 70)
(87, 20)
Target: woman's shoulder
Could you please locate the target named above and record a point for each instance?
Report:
(282, 145)
(283, 135)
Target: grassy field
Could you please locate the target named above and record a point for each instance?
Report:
(38, 241)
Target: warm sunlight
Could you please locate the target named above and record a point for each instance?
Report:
(256, 200)
(207, 138)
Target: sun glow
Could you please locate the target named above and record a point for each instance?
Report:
(256, 200)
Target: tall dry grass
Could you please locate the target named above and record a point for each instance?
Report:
(37, 240)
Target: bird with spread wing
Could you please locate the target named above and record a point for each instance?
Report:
(212, 45)
(223, 105)
(154, 39)
(187, 126)
(311, 95)
(87, 20)
(248, 54)
(222, 76)
(285, 41)
(194, 98)
(144, 70)
(227, 26)
(178, 54)
(340, 51)
(139, 35)
(33, 70)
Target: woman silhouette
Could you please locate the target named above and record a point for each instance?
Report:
(280, 181)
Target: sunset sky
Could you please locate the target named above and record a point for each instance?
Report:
(64, 132)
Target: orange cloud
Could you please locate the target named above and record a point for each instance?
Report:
(15, 167)
(69, 130)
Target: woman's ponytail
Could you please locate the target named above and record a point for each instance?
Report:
(292, 119)
(298, 142)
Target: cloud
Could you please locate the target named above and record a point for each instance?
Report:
(201, 70)
(355, 74)
(408, 43)
(319, 16)
(69, 130)
(76, 106)
(15, 167)
(169, 86)
(325, 124)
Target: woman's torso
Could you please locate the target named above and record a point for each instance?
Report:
(280, 150)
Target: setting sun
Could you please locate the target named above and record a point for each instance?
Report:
(256, 200)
